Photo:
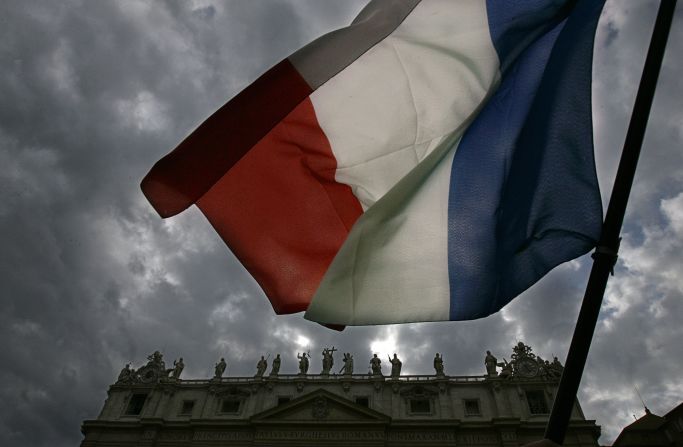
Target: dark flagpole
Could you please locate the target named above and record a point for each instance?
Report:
(605, 254)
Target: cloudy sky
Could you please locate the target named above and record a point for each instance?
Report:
(93, 93)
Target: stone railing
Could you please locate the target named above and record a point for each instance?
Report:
(331, 377)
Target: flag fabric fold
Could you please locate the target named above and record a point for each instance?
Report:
(428, 162)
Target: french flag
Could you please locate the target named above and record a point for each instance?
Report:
(430, 161)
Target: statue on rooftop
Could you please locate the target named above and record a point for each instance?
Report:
(127, 375)
(506, 372)
(220, 369)
(396, 365)
(490, 361)
(520, 351)
(555, 368)
(261, 367)
(543, 368)
(276, 365)
(155, 369)
(303, 362)
(438, 364)
(376, 365)
(328, 360)
(347, 369)
(178, 367)
(156, 361)
(524, 363)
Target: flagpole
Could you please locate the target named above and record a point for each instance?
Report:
(605, 255)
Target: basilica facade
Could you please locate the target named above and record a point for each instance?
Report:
(508, 405)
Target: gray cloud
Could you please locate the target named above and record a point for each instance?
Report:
(95, 92)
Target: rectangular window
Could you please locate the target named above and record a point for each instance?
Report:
(187, 407)
(472, 407)
(420, 406)
(363, 401)
(537, 402)
(230, 406)
(283, 400)
(135, 404)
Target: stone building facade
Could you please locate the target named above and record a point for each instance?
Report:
(154, 407)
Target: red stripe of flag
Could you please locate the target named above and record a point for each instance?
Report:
(180, 178)
(281, 212)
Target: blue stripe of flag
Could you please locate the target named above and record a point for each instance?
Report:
(524, 195)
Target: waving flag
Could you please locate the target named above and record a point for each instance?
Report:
(428, 162)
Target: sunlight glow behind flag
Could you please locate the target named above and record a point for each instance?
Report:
(429, 162)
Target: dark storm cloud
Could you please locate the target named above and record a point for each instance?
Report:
(636, 340)
(95, 92)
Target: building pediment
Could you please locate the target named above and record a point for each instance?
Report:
(320, 406)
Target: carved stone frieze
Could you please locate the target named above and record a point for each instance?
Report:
(230, 391)
(420, 392)
(222, 436)
(320, 408)
(150, 433)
